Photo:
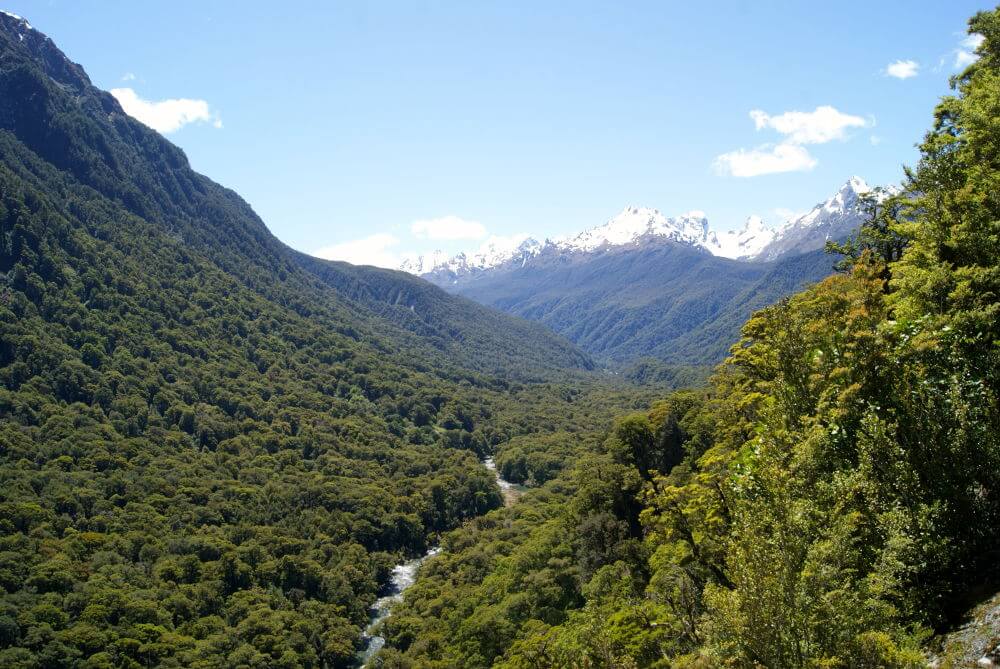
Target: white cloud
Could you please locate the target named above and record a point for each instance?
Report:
(820, 126)
(165, 116)
(128, 76)
(767, 159)
(966, 54)
(964, 58)
(449, 228)
(973, 41)
(372, 250)
(902, 69)
(816, 127)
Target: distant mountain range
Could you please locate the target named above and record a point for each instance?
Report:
(647, 285)
(636, 226)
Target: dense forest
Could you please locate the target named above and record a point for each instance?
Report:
(830, 499)
(213, 448)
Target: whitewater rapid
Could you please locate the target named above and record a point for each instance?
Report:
(404, 575)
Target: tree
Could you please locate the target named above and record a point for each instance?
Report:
(878, 234)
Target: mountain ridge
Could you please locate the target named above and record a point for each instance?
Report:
(52, 108)
(835, 217)
(643, 285)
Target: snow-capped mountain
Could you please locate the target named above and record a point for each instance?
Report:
(495, 252)
(834, 218)
(745, 243)
(645, 284)
(636, 223)
(837, 217)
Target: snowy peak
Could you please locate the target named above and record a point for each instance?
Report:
(834, 218)
(754, 224)
(746, 242)
(498, 250)
(494, 252)
(20, 40)
(424, 264)
(16, 25)
(837, 217)
(857, 185)
(634, 223)
(847, 195)
(19, 19)
(841, 201)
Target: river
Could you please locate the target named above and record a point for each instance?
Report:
(511, 491)
(405, 573)
(403, 576)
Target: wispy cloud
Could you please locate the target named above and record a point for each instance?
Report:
(965, 54)
(128, 76)
(375, 250)
(766, 159)
(822, 125)
(165, 116)
(902, 69)
(384, 249)
(448, 228)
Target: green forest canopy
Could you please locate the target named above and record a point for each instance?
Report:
(830, 500)
(212, 448)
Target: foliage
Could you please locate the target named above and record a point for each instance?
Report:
(666, 301)
(213, 448)
(830, 499)
(878, 235)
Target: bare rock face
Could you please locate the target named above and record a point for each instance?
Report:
(976, 643)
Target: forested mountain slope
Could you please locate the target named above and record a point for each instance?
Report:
(474, 336)
(647, 286)
(832, 499)
(213, 448)
(49, 106)
(663, 299)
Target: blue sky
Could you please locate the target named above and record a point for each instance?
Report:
(374, 130)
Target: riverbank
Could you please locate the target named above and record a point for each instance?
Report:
(511, 491)
(405, 574)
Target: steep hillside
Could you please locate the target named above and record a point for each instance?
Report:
(646, 286)
(662, 299)
(213, 448)
(480, 338)
(50, 107)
